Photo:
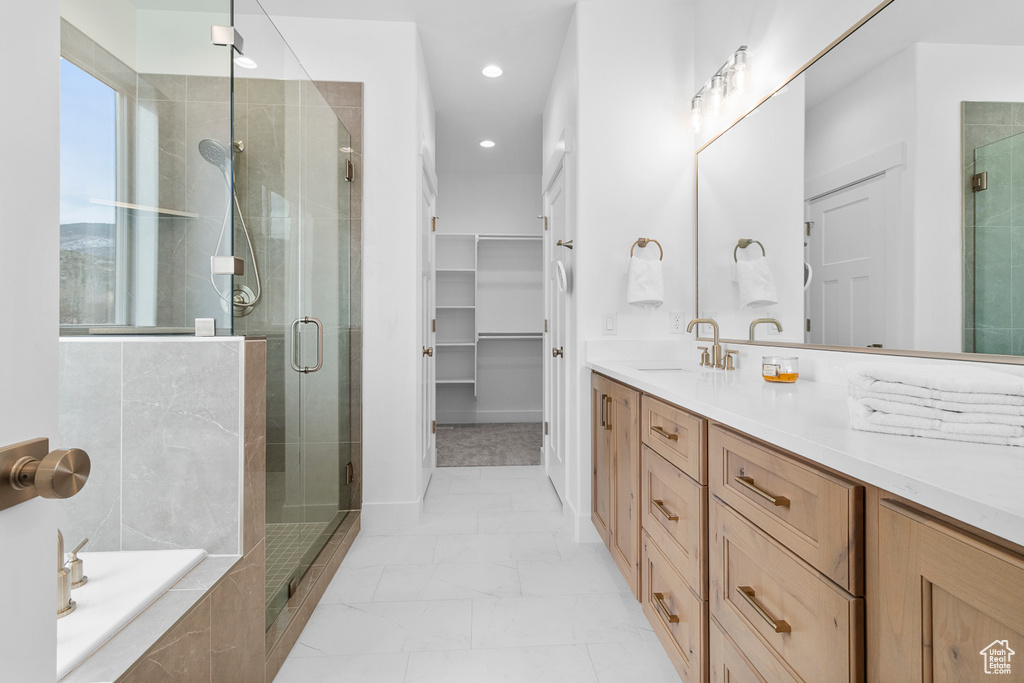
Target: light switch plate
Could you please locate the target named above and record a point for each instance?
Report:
(611, 325)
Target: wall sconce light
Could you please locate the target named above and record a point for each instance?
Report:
(732, 79)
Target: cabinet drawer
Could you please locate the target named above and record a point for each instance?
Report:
(728, 665)
(674, 513)
(764, 595)
(679, 618)
(818, 516)
(677, 435)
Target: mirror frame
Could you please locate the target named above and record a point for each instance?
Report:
(950, 355)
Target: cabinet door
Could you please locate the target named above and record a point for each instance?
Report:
(624, 415)
(948, 607)
(601, 438)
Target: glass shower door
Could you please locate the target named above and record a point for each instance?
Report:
(994, 241)
(295, 201)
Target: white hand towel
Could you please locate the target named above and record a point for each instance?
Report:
(757, 286)
(865, 419)
(645, 285)
(939, 382)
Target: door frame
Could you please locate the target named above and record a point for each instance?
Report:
(428, 314)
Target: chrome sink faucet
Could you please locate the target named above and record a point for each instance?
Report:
(770, 321)
(716, 349)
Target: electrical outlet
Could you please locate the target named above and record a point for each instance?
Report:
(610, 324)
(676, 324)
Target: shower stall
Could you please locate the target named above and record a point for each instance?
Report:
(295, 166)
(993, 162)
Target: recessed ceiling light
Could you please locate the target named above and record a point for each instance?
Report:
(245, 62)
(492, 71)
(487, 143)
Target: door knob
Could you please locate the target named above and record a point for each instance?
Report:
(27, 470)
(428, 352)
(555, 353)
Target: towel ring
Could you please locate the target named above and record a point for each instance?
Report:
(643, 242)
(743, 244)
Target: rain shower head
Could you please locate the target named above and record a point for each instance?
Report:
(215, 153)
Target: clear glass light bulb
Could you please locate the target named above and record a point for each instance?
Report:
(717, 93)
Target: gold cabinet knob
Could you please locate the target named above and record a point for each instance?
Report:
(428, 352)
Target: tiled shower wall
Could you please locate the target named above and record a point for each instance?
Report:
(161, 421)
(994, 228)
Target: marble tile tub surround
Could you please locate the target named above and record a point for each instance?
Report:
(488, 586)
(161, 420)
(977, 484)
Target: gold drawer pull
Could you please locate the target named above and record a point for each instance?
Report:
(660, 504)
(659, 602)
(661, 432)
(748, 594)
(748, 482)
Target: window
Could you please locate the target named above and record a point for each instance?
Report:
(91, 279)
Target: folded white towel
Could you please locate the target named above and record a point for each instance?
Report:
(757, 286)
(951, 410)
(956, 384)
(882, 403)
(645, 284)
(865, 419)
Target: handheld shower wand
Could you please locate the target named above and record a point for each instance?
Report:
(217, 155)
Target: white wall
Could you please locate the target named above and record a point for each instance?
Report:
(397, 125)
(489, 203)
(111, 23)
(632, 176)
(29, 276)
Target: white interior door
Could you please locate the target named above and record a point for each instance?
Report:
(556, 368)
(428, 325)
(847, 253)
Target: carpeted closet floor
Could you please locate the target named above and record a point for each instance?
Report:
(485, 445)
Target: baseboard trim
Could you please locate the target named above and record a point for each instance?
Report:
(583, 529)
(487, 417)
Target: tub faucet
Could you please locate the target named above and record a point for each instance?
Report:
(65, 605)
(770, 321)
(74, 564)
(716, 348)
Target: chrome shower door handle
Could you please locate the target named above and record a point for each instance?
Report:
(296, 341)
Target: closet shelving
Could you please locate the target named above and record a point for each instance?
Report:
(490, 306)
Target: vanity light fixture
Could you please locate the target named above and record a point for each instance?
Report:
(728, 82)
(492, 71)
(697, 112)
(487, 143)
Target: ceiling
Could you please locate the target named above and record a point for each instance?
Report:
(459, 38)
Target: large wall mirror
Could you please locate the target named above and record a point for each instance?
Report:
(876, 201)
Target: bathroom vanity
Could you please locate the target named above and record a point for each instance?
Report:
(769, 542)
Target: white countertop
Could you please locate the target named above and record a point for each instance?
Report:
(978, 484)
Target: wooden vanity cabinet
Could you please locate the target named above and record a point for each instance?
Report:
(615, 424)
(947, 606)
(785, 564)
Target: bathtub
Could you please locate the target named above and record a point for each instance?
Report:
(121, 585)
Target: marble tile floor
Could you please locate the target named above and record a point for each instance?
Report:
(489, 587)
